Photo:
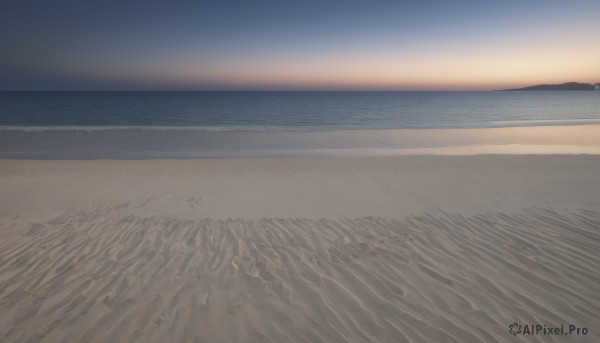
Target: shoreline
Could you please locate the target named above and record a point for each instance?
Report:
(184, 144)
(497, 124)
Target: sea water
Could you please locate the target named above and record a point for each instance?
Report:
(171, 124)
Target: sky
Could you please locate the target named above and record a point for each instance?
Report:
(296, 45)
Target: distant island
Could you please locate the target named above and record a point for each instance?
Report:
(567, 86)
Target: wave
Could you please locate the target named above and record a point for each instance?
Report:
(151, 128)
(299, 128)
(246, 128)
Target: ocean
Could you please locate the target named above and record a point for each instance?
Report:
(291, 111)
(213, 124)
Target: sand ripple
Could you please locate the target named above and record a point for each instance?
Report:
(90, 276)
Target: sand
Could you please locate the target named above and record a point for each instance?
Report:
(360, 249)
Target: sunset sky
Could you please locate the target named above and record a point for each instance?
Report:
(296, 45)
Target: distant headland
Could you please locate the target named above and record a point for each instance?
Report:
(567, 86)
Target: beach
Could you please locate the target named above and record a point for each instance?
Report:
(426, 248)
(299, 171)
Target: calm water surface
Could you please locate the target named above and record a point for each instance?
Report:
(298, 111)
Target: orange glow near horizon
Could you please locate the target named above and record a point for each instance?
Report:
(429, 72)
(441, 68)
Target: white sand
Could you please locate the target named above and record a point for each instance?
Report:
(363, 249)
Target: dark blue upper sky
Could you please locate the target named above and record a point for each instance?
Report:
(296, 45)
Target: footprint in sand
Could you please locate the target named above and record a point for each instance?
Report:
(194, 201)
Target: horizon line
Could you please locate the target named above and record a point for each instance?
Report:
(291, 89)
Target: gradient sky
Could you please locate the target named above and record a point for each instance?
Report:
(281, 45)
